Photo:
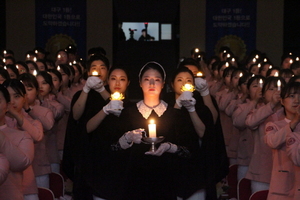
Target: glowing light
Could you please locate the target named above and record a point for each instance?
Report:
(199, 74)
(36, 51)
(256, 56)
(28, 56)
(233, 60)
(254, 60)
(34, 73)
(259, 65)
(196, 50)
(58, 56)
(276, 74)
(297, 58)
(291, 61)
(265, 59)
(278, 85)
(241, 74)
(152, 129)
(117, 96)
(260, 83)
(227, 64)
(34, 59)
(95, 73)
(4, 52)
(270, 67)
(187, 87)
(58, 68)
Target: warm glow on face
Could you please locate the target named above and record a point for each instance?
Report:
(187, 87)
(117, 96)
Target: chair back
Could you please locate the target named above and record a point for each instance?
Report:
(244, 189)
(45, 194)
(57, 184)
(232, 181)
(259, 195)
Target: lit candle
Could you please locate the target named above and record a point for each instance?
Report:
(233, 60)
(117, 96)
(152, 129)
(95, 73)
(224, 51)
(199, 74)
(270, 67)
(256, 56)
(228, 55)
(5, 67)
(74, 62)
(254, 60)
(265, 60)
(276, 74)
(278, 85)
(28, 56)
(34, 73)
(241, 74)
(36, 51)
(17, 66)
(297, 58)
(260, 83)
(259, 65)
(34, 59)
(4, 52)
(4, 60)
(58, 68)
(253, 75)
(196, 50)
(291, 61)
(70, 63)
(58, 56)
(187, 87)
(227, 64)
(290, 53)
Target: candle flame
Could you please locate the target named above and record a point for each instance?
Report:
(95, 73)
(256, 56)
(254, 60)
(259, 65)
(196, 50)
(297, 58)
(227, 64)
(270, 67)
(228, 55)
(17, 66)
(36, 51)
(233, 59)
(28, 56)
(291, 61)
(253, 75)
(241, 74)
(278, 83)
(199, 74)
(34, 59)
(152, 121)
(58, 68)
(265, 60)
(4, 52)
(5, 67)
(290, 53)
(74, 62)
(34, 73)
(276, 74)
(187, 87)
(117, 96)
(4, 60)
(58, 56)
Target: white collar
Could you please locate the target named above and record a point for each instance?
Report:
(146, 110)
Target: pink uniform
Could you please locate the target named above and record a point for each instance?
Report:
(283, 172)
(19, 150)
(246, 141)
(260, 166)
(214, 87)
(76, 87)
(41, 163)
(230, 133)
(35, 130)
(293, 152)
(51, 141)
(4, 168)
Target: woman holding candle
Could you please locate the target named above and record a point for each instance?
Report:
(271, 110)
(83, 108)
(283, 177)
(151, 175)
(106, 166)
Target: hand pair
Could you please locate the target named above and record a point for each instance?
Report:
(94, 83)
(114, 107)
(186, 100)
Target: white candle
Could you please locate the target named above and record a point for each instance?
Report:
(152, 129)
(260, 83)
(278, 85)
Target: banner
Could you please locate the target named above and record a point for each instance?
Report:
(231, 23)
(59, 24)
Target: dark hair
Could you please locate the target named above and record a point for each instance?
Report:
(238, 70)
(263, 64)
(44, 63)
(33, 63)
(24, 65)
(61, 50)
(16, 85)
(289, 88)
(228, 70)
(286, 72)
(189, 61)
(97, 51)
(244, 78)
(4, 73)
(222, 63)
(155, 66)
(13, 68)
(272, 80)
(78, 67)
(10, 58)
(97, 57)
(67, 70)
(121, 68)
(253, 65)
(253, 78)
(29, 80)
(213, 58)
(5, 93)
(295, 65)
(50, 62)
(47, 77)
(57, 73)
(179, 70)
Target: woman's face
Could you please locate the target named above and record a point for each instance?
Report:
(291, 102)
(235, 80)
(31, 94)
(227, 79)
(56, 82)
(16, 100)
(286, 64)
(62, 58)
(273, 72)
(180, 80)
(118, 81)
(44, 87)
(221, 71)
(12, 74)
(76, 75)
(65, 78)
(270, 90)
(31, 68)
(151, 83)
(264, 70)
(21, 69)
(100, 67)
(193, 68)
(41, 66)
(255, 70)
(253, 89)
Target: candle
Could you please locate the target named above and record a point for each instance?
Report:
(36, 51)
(58, 56)
(4, 52)
(4, 60)
(95, 73)
(297, 58)
(256, 56)
(28, 56)
(152, 129)
(253, 75)
(34, 59)
(5, 67)
(291, 61)
(227, 64)
(278, 85)
(187, 87)
(224, 51)
(74, 62)
(241, 74)
(233, 60)
(116, 96)
(196, 50)
(276, 74)
(58, 68)
(17, 66)
(254, 60)
(265, 60)
(34, 73)
(270, 67)
(290, 53)
(259, 65)
(260, 83)
(199, 74)
(228, 55)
